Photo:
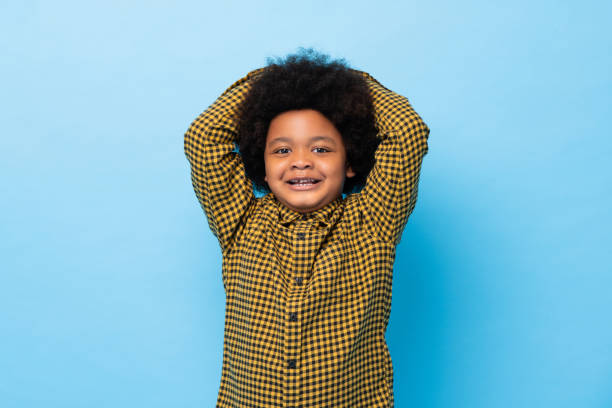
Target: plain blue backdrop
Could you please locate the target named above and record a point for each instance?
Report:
(110, 281)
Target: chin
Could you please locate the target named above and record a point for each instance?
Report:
(303, 206)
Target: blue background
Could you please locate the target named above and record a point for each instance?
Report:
(110, 282)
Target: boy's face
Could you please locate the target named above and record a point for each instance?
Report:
(304, 144)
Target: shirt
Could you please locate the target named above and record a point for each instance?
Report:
(308, 296)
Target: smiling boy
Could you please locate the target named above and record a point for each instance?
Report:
(307, 273)
(305, 160)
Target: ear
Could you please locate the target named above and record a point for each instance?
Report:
(349, 171)
(266, 178)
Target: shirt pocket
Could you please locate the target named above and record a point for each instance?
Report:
(333, 272)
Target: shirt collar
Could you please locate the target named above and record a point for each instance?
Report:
(324, 214)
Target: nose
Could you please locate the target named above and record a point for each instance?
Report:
(301, 160)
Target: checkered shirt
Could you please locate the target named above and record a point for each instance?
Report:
(308, 296)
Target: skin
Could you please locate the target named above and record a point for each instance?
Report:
(304, 143)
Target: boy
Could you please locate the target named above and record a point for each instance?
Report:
(307, 273)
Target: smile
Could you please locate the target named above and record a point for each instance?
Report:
(302, 184)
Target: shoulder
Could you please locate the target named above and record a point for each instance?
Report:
(353, 218)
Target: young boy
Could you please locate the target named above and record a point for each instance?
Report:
(307, 273)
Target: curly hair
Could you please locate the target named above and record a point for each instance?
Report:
(309, 80)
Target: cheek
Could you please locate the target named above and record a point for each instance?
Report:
(272, 170)
(335, 170)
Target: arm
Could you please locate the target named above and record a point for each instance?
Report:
(390, 192)
(217, 172)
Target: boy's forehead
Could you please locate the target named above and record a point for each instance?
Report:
(304, 125)
(316, 138)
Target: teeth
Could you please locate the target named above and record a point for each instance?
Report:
(302, 181)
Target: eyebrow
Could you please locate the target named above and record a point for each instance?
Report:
(314, 139)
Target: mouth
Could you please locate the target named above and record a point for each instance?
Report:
(302, 183)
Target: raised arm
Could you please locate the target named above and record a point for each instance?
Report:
(390, 192)
(217, 171)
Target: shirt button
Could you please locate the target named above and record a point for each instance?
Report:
(291, 363)
(299, 280)
(293, 317)
(301, 235)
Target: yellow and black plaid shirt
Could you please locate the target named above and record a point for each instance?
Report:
(308, 297)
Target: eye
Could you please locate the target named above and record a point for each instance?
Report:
(282, 150)
(321, 149)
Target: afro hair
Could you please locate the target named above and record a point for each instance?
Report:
(309, 80)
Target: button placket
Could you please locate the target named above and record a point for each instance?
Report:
(302, 250)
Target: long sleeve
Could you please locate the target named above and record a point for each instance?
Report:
(390, 192)
(218, 176)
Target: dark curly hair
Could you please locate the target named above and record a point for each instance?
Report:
(309, 80)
